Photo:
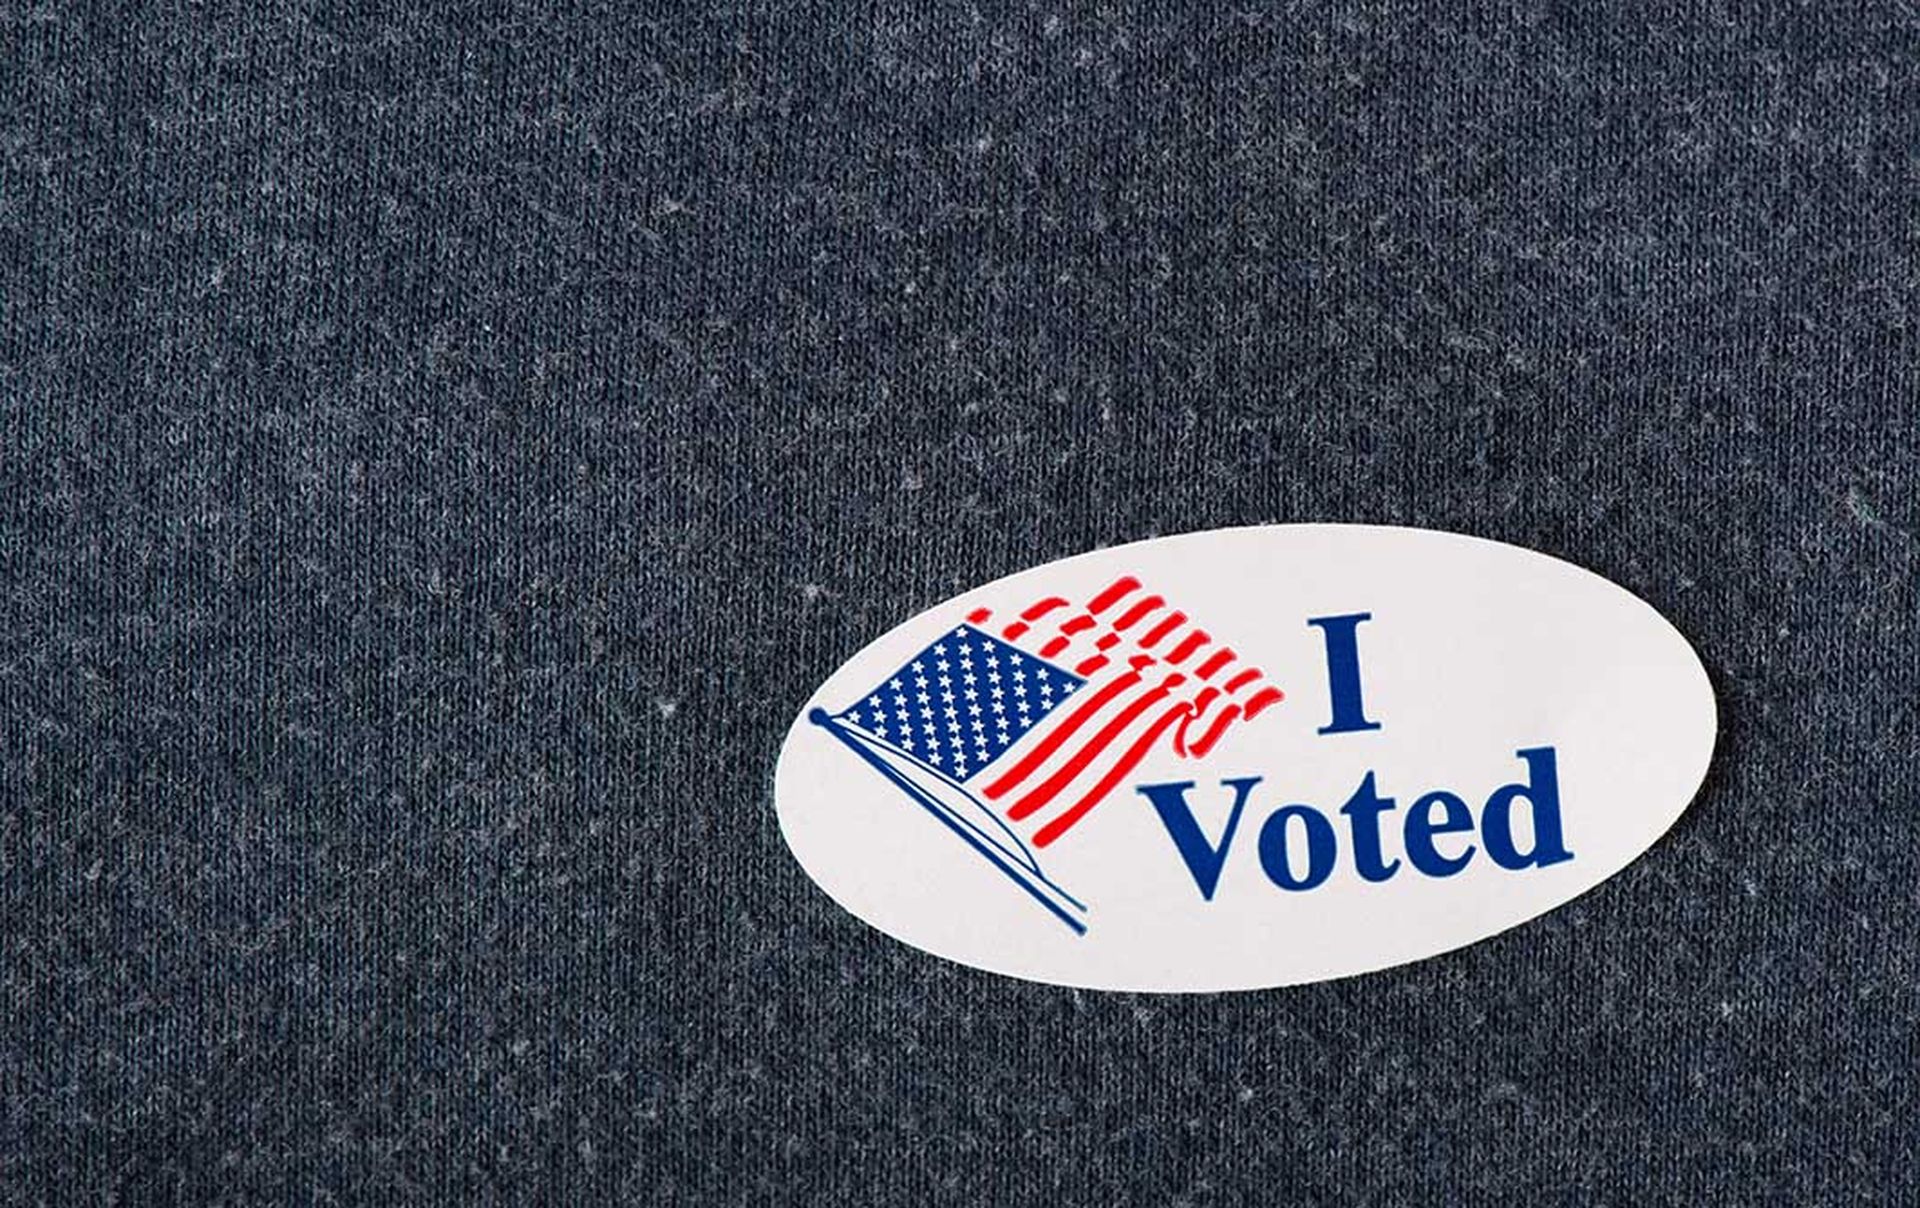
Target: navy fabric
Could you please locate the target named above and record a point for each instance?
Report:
(444, 448)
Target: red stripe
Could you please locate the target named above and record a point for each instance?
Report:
(1196, 708)
(1163, 628)
(1107, 641)
(1262, 699)
(1195, 711)
(1188, 645)
(1091, 665)
(1076, 625)
(1043, 608)
(979, 615)
(1051, 742)
(1243, 679)
(1138, 751)
(1132, 616)
(1064, 775)
(1119, 587)
(1213, 733)
(1214, 664)
(1014, 630)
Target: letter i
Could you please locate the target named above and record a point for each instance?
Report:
(1343, 673)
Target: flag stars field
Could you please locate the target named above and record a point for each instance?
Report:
(958, 685)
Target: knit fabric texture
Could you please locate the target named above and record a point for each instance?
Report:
(445, 445)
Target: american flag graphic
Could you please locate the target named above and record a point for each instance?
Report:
(1034, 717)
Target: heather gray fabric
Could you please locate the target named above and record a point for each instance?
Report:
(442, 452)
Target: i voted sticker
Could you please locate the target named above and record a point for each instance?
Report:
(1246, 758)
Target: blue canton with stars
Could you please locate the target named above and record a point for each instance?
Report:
(960, 702)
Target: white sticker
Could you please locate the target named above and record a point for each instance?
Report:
(1246, 758)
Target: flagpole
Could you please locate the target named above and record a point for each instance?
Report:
(1054, 898)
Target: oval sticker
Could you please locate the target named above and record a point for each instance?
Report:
(1245, 758)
